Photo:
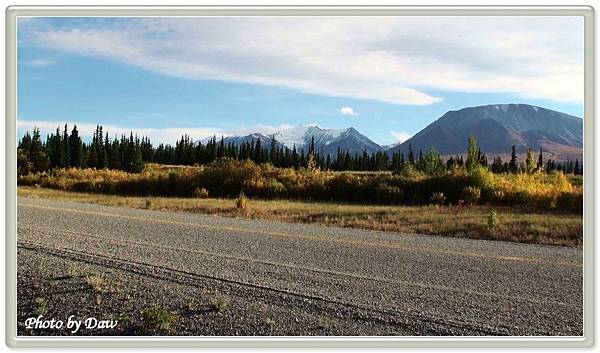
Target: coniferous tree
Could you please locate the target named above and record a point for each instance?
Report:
(66, 149)
(513, 166)
(37, 155)
(530, 165)
(75, 146)
(473, 154)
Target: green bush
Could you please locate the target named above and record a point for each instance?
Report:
(157, 318)
(492, 220)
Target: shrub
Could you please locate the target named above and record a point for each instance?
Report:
(437, 198)
(409, 171)
(200, 193)
(416, 199)
(389, 194)
(470, 195)
(228, 178)
(150, 205)
(242, 202)
(158, 318)
(492, 221)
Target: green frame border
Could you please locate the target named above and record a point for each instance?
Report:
(587, 12)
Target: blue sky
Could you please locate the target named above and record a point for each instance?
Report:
(388, 79)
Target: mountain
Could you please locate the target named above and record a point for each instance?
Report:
(265, 140)
(327, 141)
(498, 127)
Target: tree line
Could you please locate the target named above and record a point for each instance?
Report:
(66, 148)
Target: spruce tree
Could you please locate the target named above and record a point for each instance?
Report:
(530, 164)
(37, 155)
(473, 154)
(513, 166)
(75, 145)
(66, 149)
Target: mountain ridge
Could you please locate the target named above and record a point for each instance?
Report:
(497, 128)
(500, 126)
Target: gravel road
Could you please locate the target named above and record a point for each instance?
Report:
(287, 279)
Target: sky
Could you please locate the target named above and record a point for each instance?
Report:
(388, 77)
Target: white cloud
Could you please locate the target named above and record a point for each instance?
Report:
(39, 63)
(169, 135)
(390, 59)
(348, 111)
(400, 136)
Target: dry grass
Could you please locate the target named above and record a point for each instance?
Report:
(514, 224)
(95, 282)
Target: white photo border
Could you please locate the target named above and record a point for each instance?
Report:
(587, 340)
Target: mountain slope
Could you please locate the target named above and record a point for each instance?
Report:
(499, 127)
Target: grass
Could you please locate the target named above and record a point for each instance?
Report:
(517, 224)
(73, 273)
(41, 306)
(219, 302)
(157, 318)
(95, 282)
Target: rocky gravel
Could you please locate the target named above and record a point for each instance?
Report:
(282, 279)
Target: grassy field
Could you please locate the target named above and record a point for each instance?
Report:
(513, 223)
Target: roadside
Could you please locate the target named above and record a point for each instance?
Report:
(475, 222)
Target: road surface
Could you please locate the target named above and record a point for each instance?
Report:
(421, 285)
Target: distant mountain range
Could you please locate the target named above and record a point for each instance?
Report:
(497, 128)
(327, 141)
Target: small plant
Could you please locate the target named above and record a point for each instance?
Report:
(470, 195)
(150, 205)
(437, 198)
(219, 303)
(158, 318)
(95, 282)
(41, 306)
(200, 193)
(492, 221)
(324, 323)
(73, 273)
(192, 305)
(271, 323)
(242, 202)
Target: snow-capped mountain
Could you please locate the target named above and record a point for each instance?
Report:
(327, 141)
